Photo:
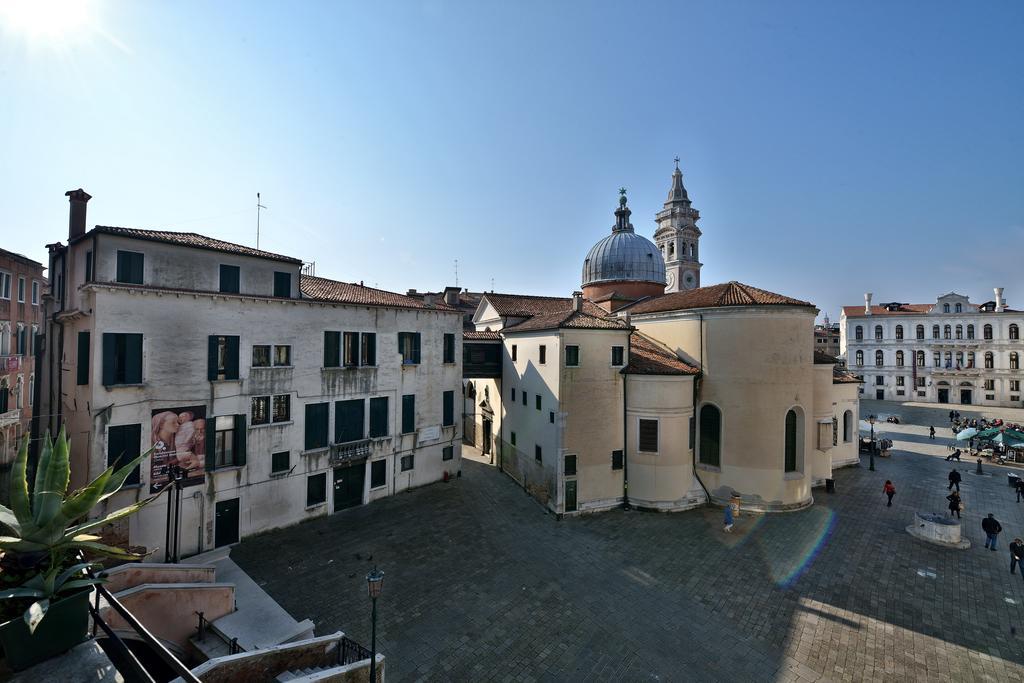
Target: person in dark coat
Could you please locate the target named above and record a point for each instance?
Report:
(931, 432)
(1017, 556)
(1020, 489)
(954, 504)
(991, 526)
(954, 478)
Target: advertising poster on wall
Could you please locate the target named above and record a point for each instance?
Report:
(179, 438)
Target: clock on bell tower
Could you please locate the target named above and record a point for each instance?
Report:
(678, 237)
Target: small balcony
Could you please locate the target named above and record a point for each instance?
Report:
(350, 451)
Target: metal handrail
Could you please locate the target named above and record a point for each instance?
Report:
(136, 665)
(164, 654)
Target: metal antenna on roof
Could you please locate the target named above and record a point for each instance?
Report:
(258, 208)
(456, 272)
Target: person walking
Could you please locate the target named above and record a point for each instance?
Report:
(1020, 488)
(991, 526)
(889, 491)
(931, 433)
(954, 477)
(728, 519)
(951, 415)
(1017, 556)
(954, 504)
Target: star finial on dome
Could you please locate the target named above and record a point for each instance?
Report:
(622, 196)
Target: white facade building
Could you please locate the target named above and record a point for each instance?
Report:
(951, 351)
(287, 396)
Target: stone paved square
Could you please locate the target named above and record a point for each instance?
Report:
(482, 584)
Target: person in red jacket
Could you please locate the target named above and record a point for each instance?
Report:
(890, 491)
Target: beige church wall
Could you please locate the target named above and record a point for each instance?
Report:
(757, 366)
(474, 414)
(663, 480)
(845, 397)
(591, 417)
(824, 411)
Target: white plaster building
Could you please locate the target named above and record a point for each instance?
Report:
(289, 396)
(950, 351)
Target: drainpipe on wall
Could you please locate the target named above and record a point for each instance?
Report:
(625, 428)
(696, 416)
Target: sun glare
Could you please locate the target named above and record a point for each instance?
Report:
(48, 21)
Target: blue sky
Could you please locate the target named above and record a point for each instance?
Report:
(832, 148)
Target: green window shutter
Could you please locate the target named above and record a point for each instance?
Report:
(123, 446)
(136, 268)
(316, 425)
(448, 408)
(369, 341)
(408, 413)
(379, 416)
(240, 439)
(211, 358)
(109, 352)
(133, 359)
(416, 347)
(211, 444)
(83, 358)
(348, 420)
(231, 362)
(123, 271)
(332, 349)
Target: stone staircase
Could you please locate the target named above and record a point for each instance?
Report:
(300, 675)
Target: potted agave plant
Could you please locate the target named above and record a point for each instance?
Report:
(44, 587)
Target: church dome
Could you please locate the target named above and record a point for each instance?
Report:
(623, 256)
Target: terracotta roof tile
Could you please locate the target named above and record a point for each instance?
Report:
(716, 296)
(191, 239)
(648, 357)
(522, 306)
(822, 358)
(840, 376)
(590, 318)
(322, 289)
(480, 335)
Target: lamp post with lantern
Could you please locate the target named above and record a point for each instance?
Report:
(871, 421)
(374, 585)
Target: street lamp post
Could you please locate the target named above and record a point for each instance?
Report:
(871, 421)
(374, 585)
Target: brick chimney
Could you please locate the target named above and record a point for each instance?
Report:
(577, 301)
(867, 303)
(76, 216)
(451, 295)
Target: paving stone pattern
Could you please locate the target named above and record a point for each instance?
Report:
(482, 584)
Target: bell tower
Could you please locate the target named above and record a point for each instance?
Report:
(678, 237)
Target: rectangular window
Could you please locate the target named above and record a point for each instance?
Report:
(122, 359)
(35, 293)
(879, 380)
(368, 354)
(551, 417)
(515, 353)
(408, 413)
(5, 285)
(409, 347)
(332, 349)
(447, 453)
(920, 381)
(570, 465)
(648, 436)
(225, 445)
(448, 408)
(449, 348)
(280, 462)
(230, 276)
(1014, 385)
(129, 267)
(537, 455)
(282, 408)
(513, 394)
(316, 425)
(282, 355)
(543, 357)
(88, 266)
(222, 359)
(378, 473)
(617, 356)
(21, 290)
(572, 356)
(261, 356)
(316, 489)
(124, 445)
(351, 346)
(407, 462)
(537, 401)
(693, 430)
(378, 417)
(990, 385)
(524, 398)
(616, 460)
(282, 284)
(899, 380)
(260, 410)
(512, 436)
(83, 358)
(348, 420)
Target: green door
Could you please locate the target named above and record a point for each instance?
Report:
(348, 486)
(570, 495)
(225, 526)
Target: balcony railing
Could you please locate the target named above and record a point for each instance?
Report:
(351, 450)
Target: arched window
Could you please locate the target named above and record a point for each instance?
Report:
(970, 359)
(989, 360)
(859, 333)
(899, 359)
(1014, 332)
(970, 331)
(899, 332)
(986, 332)
(959, 331)
(1014, 361)
(794, 440)
(31, 388)
(959, 308)
(848, 426)
(949, 359)
(920, 359)
(19, 391)
(5, 393)
(879, 359)
(947, 332)
(671, 250)
(710, 435)
(920, 331)
(860, 358)
(935, 331)
(945, 308)
(878, 331)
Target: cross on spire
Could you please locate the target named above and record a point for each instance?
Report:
(677, 162)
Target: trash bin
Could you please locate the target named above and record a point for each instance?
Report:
(830, 486)
(1011, 479)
